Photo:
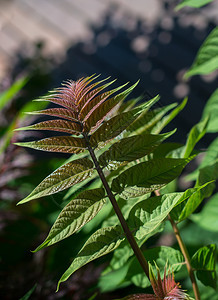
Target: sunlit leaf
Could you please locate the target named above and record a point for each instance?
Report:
(99, 112)
(159, 255)
(64, 144)
(192, 3)
(7, 95)
(57, 112)
(206, 60)
(196, 133)
(102, 242)
(207, 218)
(62, 178)
(151, 175)
(211, 110)
(75, 215)
(90, 106)
(168, 118)
(117, 124)
(204, 261)
(185, 209)
(56, 125)
(148, 119)
(147, 215)
(132, 148)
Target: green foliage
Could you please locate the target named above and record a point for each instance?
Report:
(62, 178)
(102, 242)
(207, 218)
(149, 176)
(6, 96)
(206, 60)
(211, 110)
(118, 155)
(75, 215)
(193, 3)
(204, 262)
(147, 215)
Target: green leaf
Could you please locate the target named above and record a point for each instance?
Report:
(196, 133)
(147, 215)
(208, 173)
(204, 261)
(211, 110)
(207, 218)
(206, 60)
(114, 280)
(185, 209)
(211, 156)
(114, 126)
(148, 119)
(62, 178)
(150, 175)
(192, 3)
(165, 149)
(64, 144)
(159, 256)
(114, 276)
(102, 242)
(29, 293)
(122, 254)
(132, 147)
(6, 96)
(75, 215)
(167, 119)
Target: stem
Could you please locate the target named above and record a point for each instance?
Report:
(185, 254)
(129, 235)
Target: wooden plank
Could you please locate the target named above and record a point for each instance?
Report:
(7, 44)
(31, 30)
(61, 21)
(87, 11)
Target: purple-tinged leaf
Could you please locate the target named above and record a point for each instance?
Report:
(91, 100)
(57, 112)
(64, 177)
(119, 123)
(56, 125)
(84, 86)
(64, 144)
(100, 111)
(75, 215)
(91, 93)
(60, 99)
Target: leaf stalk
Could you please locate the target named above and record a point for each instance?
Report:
(185, 254)
(137, 251)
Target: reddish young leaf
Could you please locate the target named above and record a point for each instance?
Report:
(91, 93)
(163, 290)
(117, 124)
(92, 99)
(59, 98)
(56, 125)
(100, 111)
(57, 112)
(64, 144)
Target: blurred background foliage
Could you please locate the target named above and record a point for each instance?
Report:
(126, 48)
